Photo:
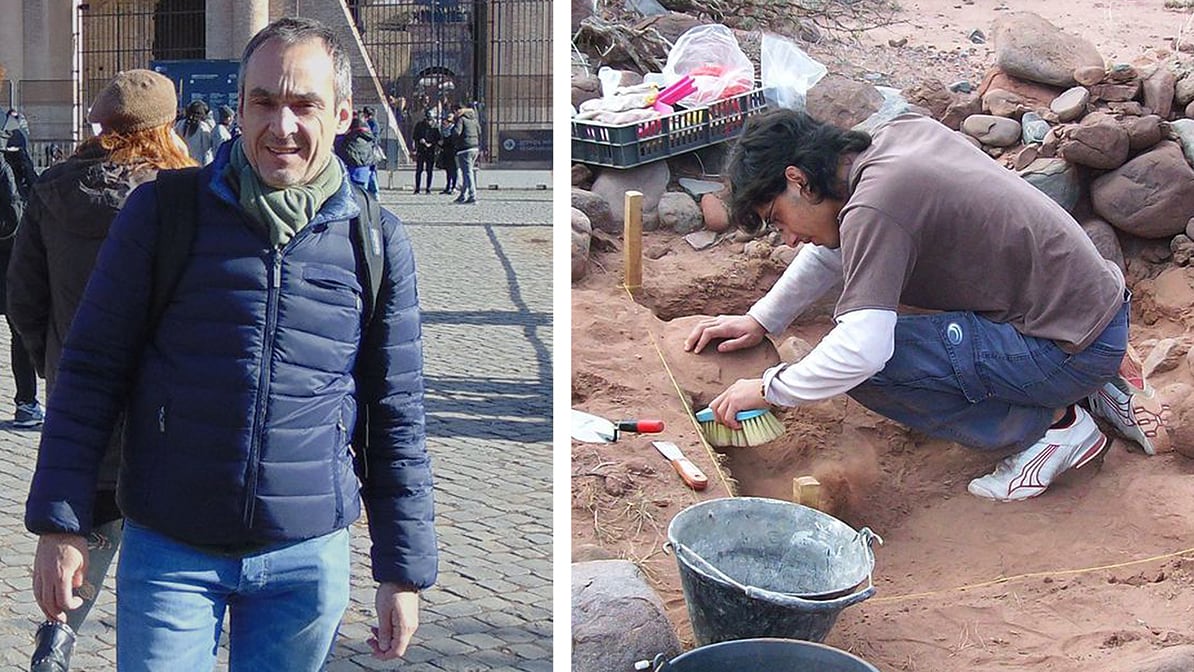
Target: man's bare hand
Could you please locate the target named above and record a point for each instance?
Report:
(397, 620)
(58, 569)
(742, 331)
(743, 395)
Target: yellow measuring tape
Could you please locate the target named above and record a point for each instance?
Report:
(713, 457)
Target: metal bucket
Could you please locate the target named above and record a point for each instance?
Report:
(753, 567)
(772, 655)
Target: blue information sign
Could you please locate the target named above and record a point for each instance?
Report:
(214, 82)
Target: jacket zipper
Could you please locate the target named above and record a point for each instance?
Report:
(337, 460)
(271, 323)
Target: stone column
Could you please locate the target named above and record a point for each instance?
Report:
(218, 29)
(12, 42)
(248, 17)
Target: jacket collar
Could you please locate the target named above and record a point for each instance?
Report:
(341, 205)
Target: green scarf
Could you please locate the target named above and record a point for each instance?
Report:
(283, 212)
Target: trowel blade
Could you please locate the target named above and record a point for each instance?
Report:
(592, 429)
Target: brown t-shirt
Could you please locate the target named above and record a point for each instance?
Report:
(932, 222)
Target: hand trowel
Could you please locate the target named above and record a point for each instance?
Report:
(592, 429)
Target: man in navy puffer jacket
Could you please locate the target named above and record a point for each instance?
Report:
(237, 480)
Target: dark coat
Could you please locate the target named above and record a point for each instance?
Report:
(467, 130)
(426, 139)
(242, 402)
(72, 205)
(355, 148)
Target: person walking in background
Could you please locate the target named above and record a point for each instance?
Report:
(426, 139)
(355, 149)
(16, 180)
(447, 153)
(195, 129)
(379, 155)
(70, 211)
(467, 137)
(238, 474)
(225, 128)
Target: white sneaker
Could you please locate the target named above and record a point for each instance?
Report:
(1136, 413)
(1029, 472)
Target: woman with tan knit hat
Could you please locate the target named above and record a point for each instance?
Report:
(72, 205)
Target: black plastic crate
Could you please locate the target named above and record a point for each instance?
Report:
(669, 135)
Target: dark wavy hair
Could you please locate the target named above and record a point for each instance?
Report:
(775, 140)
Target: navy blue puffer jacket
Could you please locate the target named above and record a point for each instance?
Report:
(242, 402)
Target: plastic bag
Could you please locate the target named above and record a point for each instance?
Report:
(718, 66)
(788, 72)
(893, 106)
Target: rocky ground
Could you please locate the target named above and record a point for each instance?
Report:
(1098, 570)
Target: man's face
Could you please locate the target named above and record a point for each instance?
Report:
(288, 114)
(798, 219)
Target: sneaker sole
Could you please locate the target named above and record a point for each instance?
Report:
(27, 424)
(1097, 451)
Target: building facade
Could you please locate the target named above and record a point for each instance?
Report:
(407, 56)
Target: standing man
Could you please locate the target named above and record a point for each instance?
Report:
(1029, 321)
(427, 140)
(466, 134)
(237, 478)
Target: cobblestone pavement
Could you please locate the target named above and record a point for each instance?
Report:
(485, 287)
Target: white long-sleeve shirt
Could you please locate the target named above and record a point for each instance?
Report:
(857, 348)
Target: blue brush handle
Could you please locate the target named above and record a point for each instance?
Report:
(707, 415)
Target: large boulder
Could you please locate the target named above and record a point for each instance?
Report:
(1158, 91)
(617, 619)
(842, 102)
(1105, 241)
(991, 130)
(1099, 142)
(1032, 95)
(679, 213)
(1143, 132)
(1029, 47)
(1150, 196)
(715, 213)
(596, 209)
(582, 235)
(1184, 130)
(932, 95)
(1056, 178)
(650, 179)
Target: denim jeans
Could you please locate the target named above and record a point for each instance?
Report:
(983, 384)
(467, 160)
(101, 549)
(284, 604)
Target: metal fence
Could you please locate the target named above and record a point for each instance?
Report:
(494, 55)
(122, 34)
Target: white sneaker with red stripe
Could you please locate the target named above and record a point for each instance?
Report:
(1135, 412)
(1029, 472)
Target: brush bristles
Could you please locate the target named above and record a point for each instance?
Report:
(754, 432)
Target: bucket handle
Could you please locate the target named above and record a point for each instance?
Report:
(785, 599)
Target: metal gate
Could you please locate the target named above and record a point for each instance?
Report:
(118, 35)
(493, 55)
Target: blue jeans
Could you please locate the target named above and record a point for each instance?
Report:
(466, 159)
(284, 604)
(964, 378)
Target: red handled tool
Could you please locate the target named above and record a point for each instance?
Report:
(593, 429)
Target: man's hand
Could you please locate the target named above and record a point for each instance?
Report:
(397, 620)
(743, 395)
(741, 330)
(58, 569)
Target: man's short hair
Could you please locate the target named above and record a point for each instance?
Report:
(295, 29)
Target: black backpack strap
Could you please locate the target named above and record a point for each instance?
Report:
(178, 202)
(368, 246)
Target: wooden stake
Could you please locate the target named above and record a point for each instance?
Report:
(806, 490)
(632, 239)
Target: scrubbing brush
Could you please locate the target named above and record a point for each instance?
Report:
(758, 427)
